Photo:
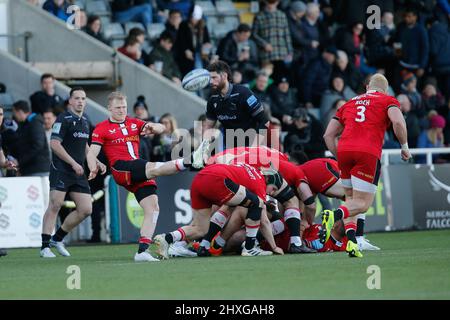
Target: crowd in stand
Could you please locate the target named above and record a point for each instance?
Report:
(311, 55)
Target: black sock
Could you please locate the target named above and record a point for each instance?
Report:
(351, 235)
(212, 231)
(338, 214)
(169, 237)
(142, 247)
(249, 242)
(59, 235)
(294, 226)
(360, 227)
(259, 236)
(45, 240)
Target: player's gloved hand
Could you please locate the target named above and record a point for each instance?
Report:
(316, 244)
(78, 169)
(278, 250)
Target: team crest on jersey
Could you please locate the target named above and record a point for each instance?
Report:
(215, 104)
(134, 127)
(56, 127)
(112, 131)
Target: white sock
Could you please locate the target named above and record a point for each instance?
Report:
(206, 244)
(296, 240)
(179, 163)
(220, 241)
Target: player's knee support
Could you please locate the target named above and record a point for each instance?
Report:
(285, 195)
(251, 202)
(232, 186)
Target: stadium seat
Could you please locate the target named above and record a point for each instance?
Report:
(98, 7)
(116, 43)
(208, 8)
(226, 7)
(6, 100)
(81, 4)
(113, 31)
(155, 29)
(232, 22)
(131, 25)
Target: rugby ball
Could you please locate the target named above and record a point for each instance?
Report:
(195, 80)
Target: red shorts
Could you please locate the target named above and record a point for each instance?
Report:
(362, 165)
(330, 245)
(123, 178)
(321, 174)
(283, 241)
(208, 186)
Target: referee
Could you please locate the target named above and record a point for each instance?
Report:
(235, 107)
(70, 134)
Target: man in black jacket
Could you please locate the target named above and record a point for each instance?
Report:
(32, 148)
(240, 52)
(46, 99)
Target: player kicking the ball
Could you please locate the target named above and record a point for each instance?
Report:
(231, 185)
(119, 137)
(362, 122)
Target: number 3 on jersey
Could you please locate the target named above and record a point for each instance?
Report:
(361, 116)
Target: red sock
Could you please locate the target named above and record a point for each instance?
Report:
(345, 211)
(145, 240)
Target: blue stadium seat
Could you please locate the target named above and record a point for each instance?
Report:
(155, 29)
(113, 31)
(98, 7)
(131, 25)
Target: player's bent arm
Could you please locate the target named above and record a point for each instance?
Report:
(266, 231)
(91, 158)
(334, 129)
(398, 124)
(59, 150)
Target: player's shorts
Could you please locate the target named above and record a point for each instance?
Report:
(207, 190)
(68, 181)
(322, 177)
(131, 175)
(359, 170)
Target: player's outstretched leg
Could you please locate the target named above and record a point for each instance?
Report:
(363, 243)
(56, 201)
(216, 224)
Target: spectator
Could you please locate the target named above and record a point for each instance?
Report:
(93, 28)
(164, 143)
(305, 135)
(139, 35)
(338, 91)
(260, 88)
(192, 46)
(296, 12)
(316, 77)
(58, 8)
(311, 33)
(409, 88)
(132, 49)
(46, 98)
(413, 39)
(236, 76)
(378, 49)
(442, 12)
(412, 122)
(161, 58)
(49, 118)
(271, 33)
(140, 110)
(182, 6)
(132, 10)
(440, 55)
(239, 51)
(348, 39)
(32, 148)
(173, 23)
(332, 112)
(284, 102)
(431, 99)
(432, 137)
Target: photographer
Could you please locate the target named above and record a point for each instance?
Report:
(305, 133)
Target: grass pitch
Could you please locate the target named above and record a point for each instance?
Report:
(413, 265)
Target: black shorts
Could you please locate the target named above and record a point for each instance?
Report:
(68, 182)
